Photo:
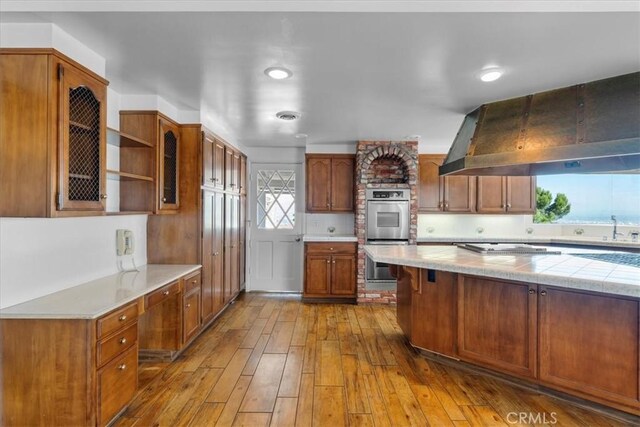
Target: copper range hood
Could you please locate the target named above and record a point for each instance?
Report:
(587, 128)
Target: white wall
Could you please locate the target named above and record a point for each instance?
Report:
(39, 256)
(343, 148)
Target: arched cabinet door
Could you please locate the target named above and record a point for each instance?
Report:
(168, 177)
(81, 142)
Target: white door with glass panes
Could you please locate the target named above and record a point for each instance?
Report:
(276, 248)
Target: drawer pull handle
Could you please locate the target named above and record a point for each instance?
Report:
(123, 340)
(122, 318)
(165, 293)
(122, 367)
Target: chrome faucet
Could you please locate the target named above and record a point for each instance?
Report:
(615, 228)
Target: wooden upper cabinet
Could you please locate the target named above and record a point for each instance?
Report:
(208, 150)
(168, 179)
(230, 175)
(429, 195)
(53, 139)
(443, 194)
(218, 165)
(213, 158)
(506, 194)
(521, 194)
(243, 175)
(342, 176)
(330, 182)
(318, 183)
(237, 172)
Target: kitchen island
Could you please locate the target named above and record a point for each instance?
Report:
(569, 322)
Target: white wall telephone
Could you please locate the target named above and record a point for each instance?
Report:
(124, 242)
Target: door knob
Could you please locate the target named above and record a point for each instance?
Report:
(297, 239)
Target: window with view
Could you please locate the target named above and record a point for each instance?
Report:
(588, 199)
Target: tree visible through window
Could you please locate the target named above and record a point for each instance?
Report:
(593, 198)
(276, 199)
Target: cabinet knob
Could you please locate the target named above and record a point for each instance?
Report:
(446, 205)
(122, 318)
(330, 249)
(103, 196)
(164, 199)
(543, 293)
(508, 205)
(194, 281)
(328, 205)
(328, 261)
(212, 179)
(122, 367)
(334, 261)
(216, 253)
(532, 291)
(165, 293)
(123, 340)
(188, 305)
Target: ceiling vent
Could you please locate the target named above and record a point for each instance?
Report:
(288, 115)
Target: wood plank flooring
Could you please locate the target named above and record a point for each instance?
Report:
(273, 361)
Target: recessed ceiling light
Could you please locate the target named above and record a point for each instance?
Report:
(288, 115)
(278, 73)
(490, 74)
(301, 135)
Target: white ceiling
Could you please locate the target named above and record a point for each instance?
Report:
(356, 75)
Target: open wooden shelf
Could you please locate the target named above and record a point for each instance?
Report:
(119, 175)
(126, 140)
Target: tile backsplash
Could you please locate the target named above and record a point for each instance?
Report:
(322, 223)
(443, 225)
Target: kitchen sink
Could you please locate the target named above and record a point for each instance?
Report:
(630, 259)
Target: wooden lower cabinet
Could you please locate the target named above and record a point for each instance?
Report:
(497, 324)
(578, 342)
(117, 384)
(68, 372)
(433, 312)
(191, 315)
(330, 270)
(589, 344)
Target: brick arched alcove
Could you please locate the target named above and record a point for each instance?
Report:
(405, 155)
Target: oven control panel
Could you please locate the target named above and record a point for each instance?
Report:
(375, 194)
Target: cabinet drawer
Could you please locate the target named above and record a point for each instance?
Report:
(331, 248)
(156, 297)
(192, 282)
(117, 319)
(110, 347)
(117, 383)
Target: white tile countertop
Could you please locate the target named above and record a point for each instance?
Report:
(93, 299)
(565, 270)
(329, 238)
(570, 240)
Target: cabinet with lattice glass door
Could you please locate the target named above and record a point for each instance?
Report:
(52, 137)
(168, 162)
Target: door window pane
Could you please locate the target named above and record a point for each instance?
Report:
(276, 199)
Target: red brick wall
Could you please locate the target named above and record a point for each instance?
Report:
(375, 162)
(387, 170)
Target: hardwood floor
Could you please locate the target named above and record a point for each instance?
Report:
(272, 360)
